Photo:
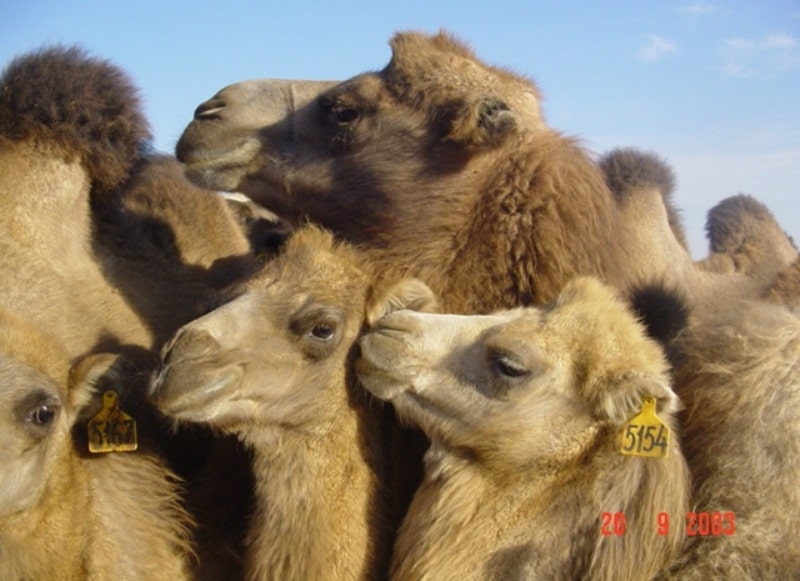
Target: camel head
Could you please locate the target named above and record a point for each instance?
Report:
(520, 386)
(323, 150)
(41, 401)
(276, 355)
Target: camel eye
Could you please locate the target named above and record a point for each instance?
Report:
(323, 332)
(43, 415)
(508, 366)
(346, 115)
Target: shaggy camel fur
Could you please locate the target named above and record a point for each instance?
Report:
(527, 410)
(785, 288)
(439, 164)
(71, 171)
(273, 367)
(739, 377)
(65, 514)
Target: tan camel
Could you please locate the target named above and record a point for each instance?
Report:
(527, 411)
(739, 376)
(736, 369)
(273, 367)
(65, 513)
(91, 250)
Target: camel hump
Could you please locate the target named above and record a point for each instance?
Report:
(85, 106)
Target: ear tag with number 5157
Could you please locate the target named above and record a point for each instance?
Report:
(645, 434)
(112, 430)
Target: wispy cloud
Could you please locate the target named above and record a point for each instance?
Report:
(656, 48)
(749, 57)
(697, 8)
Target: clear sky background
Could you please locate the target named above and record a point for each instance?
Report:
(713, 86)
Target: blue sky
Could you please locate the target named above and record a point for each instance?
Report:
(712, 86)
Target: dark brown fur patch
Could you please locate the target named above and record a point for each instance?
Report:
(86, 107)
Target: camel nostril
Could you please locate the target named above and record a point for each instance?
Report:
(210, 109)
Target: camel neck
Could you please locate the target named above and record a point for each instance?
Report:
(318, 505)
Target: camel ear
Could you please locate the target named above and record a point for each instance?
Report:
(87, 376)
(479, 123)
(408, 293)
(624, 397)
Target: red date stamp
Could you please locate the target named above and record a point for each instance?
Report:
(698, 524)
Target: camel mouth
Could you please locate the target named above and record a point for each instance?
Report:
(239, 154)
(190, 390)
(376, 369)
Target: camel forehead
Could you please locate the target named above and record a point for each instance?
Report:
(19, 379)
(437, 68)
(313, 263)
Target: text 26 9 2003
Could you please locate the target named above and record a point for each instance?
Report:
(701, 524)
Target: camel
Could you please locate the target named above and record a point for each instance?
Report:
(91, 249)
(739, 376)
(749, 252)
(440, 166)
(65, 513)
(735, 368)
(527, 410)
(272, 366)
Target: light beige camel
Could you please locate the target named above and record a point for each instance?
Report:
(91, 250)
(273, 367)
(66, 514)
(739, 376)
(736, 369)
(527, 410)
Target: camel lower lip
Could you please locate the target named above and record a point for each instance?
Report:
(186, 389)
(237, 155)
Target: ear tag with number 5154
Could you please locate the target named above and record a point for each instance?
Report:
(112, 430)
(645, 434)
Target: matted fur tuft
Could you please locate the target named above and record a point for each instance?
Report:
(86, 106)
(664, 311)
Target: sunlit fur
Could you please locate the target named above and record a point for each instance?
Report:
(254, 368)
(740, 380)
(102, 244)
(522, 466)
(65, 514)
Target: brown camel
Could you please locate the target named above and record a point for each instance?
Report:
(440, 165)
(272, 367)
(65, 513)
(527, 411)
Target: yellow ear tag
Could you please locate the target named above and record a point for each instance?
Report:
(645, 434)
(112, 430)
